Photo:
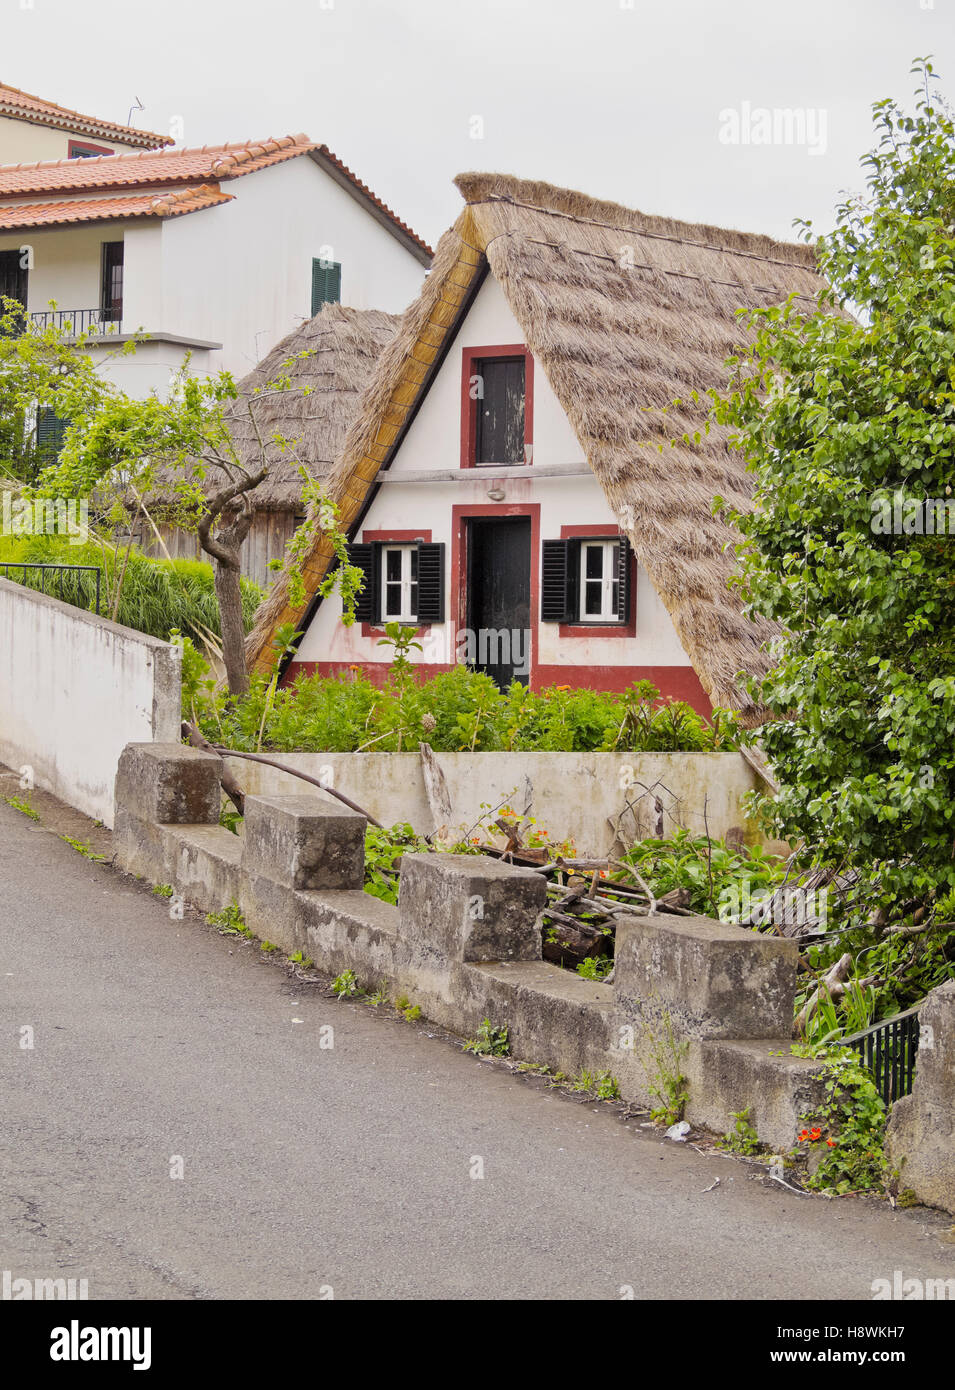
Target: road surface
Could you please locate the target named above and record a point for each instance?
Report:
(307, 1169)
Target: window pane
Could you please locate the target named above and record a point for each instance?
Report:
(592, 598)
(392, 565)
(595, 561)
(392, 600)
(414, 563)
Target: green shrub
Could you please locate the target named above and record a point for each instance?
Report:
(455, 710)
(157, 597)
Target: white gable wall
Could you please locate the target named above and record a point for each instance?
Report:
(433, 443)
(241, 273)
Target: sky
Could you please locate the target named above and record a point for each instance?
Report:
(667, 107)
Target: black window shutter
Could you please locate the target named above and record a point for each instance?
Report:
(623, 577)
(557, 586)
(326, 284)
(430, 582)
(368, 559)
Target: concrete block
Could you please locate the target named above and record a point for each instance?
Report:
(921, 1130)
(713, 979)
(470, 907)
(271, 910)
(552, 1015)
(304, 842)
(777, 1088)
(169, 783)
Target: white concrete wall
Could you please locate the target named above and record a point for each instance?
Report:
(22, 142)
(74, 690)
(575, 795)
(433, 442)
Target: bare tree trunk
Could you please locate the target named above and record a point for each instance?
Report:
(229, 594)
(231, 509)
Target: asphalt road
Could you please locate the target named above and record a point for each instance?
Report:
(308, 1168)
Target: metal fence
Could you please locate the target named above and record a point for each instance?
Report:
(66, 582)
(889, 1049)
(77, 320)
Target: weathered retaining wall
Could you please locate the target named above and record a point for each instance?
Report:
(691, 995)
(74, 690)
(921, 1132)
(577, 796)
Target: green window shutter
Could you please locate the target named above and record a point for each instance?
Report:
(326, 284)
(50, 430)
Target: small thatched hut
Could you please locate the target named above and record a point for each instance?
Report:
(503, 476)
(343, 346)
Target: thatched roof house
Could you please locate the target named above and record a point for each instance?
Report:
(343, 347)
(623, 313)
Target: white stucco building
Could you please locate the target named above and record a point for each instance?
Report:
(218, 252)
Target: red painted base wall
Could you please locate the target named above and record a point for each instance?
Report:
(673, 682)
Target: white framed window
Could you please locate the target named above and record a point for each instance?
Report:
(599, 582)
(399, 583)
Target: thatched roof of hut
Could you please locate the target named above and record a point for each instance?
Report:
(625, 313)
(343, 346)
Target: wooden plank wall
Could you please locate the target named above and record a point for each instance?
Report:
(266, 541)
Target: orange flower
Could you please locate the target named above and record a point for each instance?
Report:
(804, 1135)
(831, 1143)
(815, 1134)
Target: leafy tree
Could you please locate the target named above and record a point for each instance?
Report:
(114, 445)
(43, 369)
(840, 416)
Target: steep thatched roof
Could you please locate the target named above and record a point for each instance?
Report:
(344, 346)
(624, 313)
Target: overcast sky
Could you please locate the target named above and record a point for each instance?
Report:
(619, 98)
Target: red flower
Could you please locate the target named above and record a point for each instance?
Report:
(831, 1143)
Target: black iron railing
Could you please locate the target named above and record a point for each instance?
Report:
(78, 320)
(889, 1049)
(67, 582)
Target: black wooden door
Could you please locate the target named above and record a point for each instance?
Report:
(500, 411)
(13, 276)
(499, 598)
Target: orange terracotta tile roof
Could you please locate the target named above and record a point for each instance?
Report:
(25, 106)
(59, 214)
(150, 168)
(154, 168)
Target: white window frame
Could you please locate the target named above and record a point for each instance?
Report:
(407, 614)
(608, 581)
